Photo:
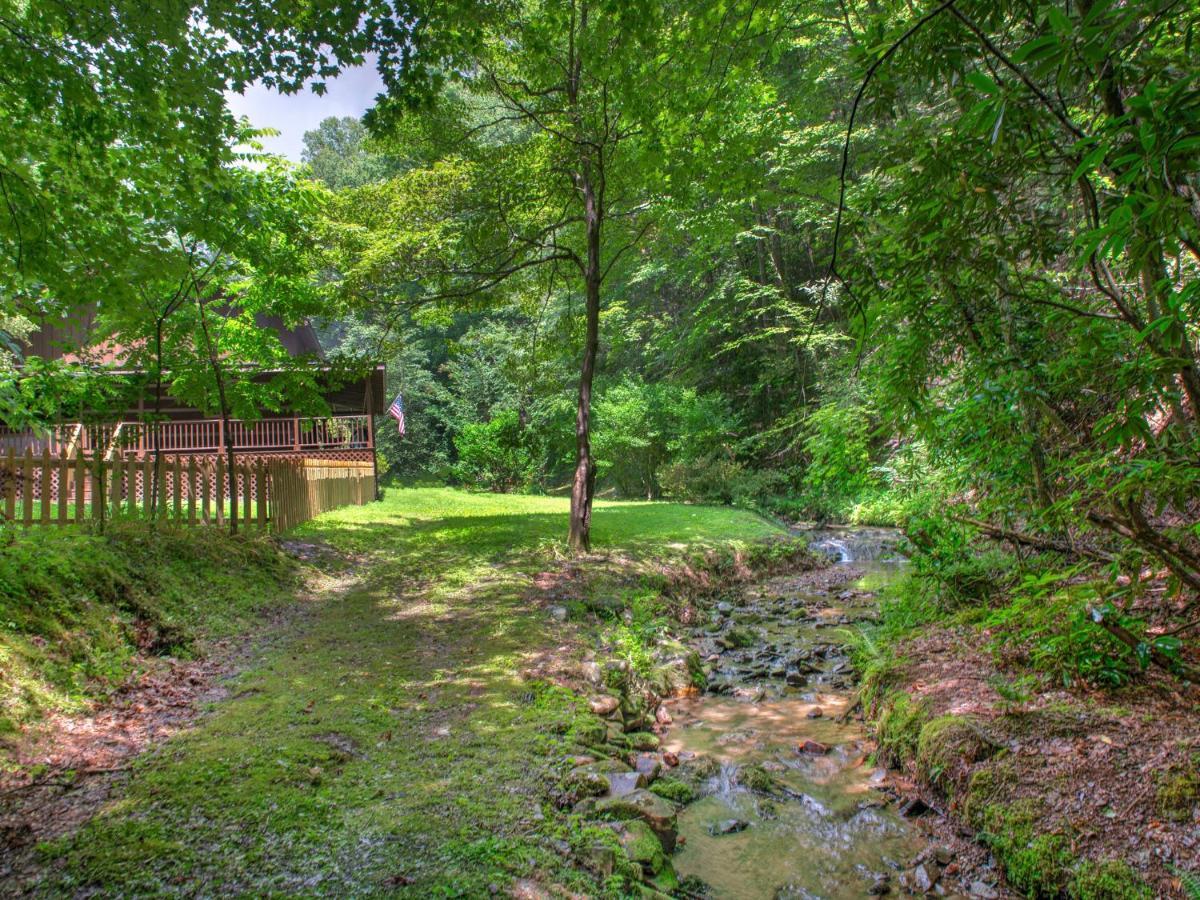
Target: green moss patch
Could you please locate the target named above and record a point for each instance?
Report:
(1178, 792)
(80, 612)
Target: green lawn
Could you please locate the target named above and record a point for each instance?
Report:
(392, 746)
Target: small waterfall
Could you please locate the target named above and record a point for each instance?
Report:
(835, 547)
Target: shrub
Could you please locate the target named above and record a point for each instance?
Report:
(498, 455)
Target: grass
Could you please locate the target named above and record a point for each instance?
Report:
(393, 746)
(78, 609)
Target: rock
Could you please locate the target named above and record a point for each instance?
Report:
(647, 764)
(604, 705)
(662, 716)
(642, 740)
(881, 886)
(622, 783)
(846, 595)
(558, 613)
(758, 779)
(815, 713)
(923, 878)
(641, 846)
(912, 807)
(656, 812)
(944, 855)
(582, 783)
(591, 673)
(815, 748)
(735, 638)
(670, 759)
(728, 826)
(724, 608)
(795, 678)
(600, 858)
(983, 891)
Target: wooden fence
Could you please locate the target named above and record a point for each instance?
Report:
(278, 493)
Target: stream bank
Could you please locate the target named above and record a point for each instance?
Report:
(737, 777)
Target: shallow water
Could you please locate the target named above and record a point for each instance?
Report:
(827, 834)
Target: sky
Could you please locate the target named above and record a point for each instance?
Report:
(350, 94)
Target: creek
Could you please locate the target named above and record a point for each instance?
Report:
(779, 680)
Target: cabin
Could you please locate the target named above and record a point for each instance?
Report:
(346, 434)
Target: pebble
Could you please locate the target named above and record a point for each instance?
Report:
(815, 713)
(983, 891)
(815, 748)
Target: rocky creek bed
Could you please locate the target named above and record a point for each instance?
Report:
(732, 772)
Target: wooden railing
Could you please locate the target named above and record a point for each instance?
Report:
(203, 436)
(274, 492)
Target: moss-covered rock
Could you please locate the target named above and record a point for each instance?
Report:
(988, 784)
(898, 729)
(946, 749)
(642, 846)
(759, 780)
(674, 790)
(642, 740)
(1178, 793)
(655, 811)
(1107, 880)
(1037, 863)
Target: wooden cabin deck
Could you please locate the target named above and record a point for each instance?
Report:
(335, 437)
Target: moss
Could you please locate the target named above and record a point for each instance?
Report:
(641, 845)
(946, 747)
(642, 740)
(987, 784)
(674, 790)
(758, 779)
(1178, 793)
(899, 729)
(1107, 880)
(1036, 863)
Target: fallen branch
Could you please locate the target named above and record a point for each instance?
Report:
(1035, 541)
(1125, 636)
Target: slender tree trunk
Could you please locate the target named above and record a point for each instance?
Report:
(219, 375)
(584, 486)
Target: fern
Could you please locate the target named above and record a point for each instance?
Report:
(1190, 882)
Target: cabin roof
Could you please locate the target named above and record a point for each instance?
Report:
(60, 338)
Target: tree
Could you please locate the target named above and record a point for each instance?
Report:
(1027, 268)
(548, 162)
(340, 156)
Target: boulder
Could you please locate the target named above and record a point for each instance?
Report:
(604, 705)
(641, 846)
(814, 748)
(655, 811)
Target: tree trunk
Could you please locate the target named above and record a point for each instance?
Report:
(219, 375)
(584, 486)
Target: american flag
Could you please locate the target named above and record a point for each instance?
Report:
(396, 411)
